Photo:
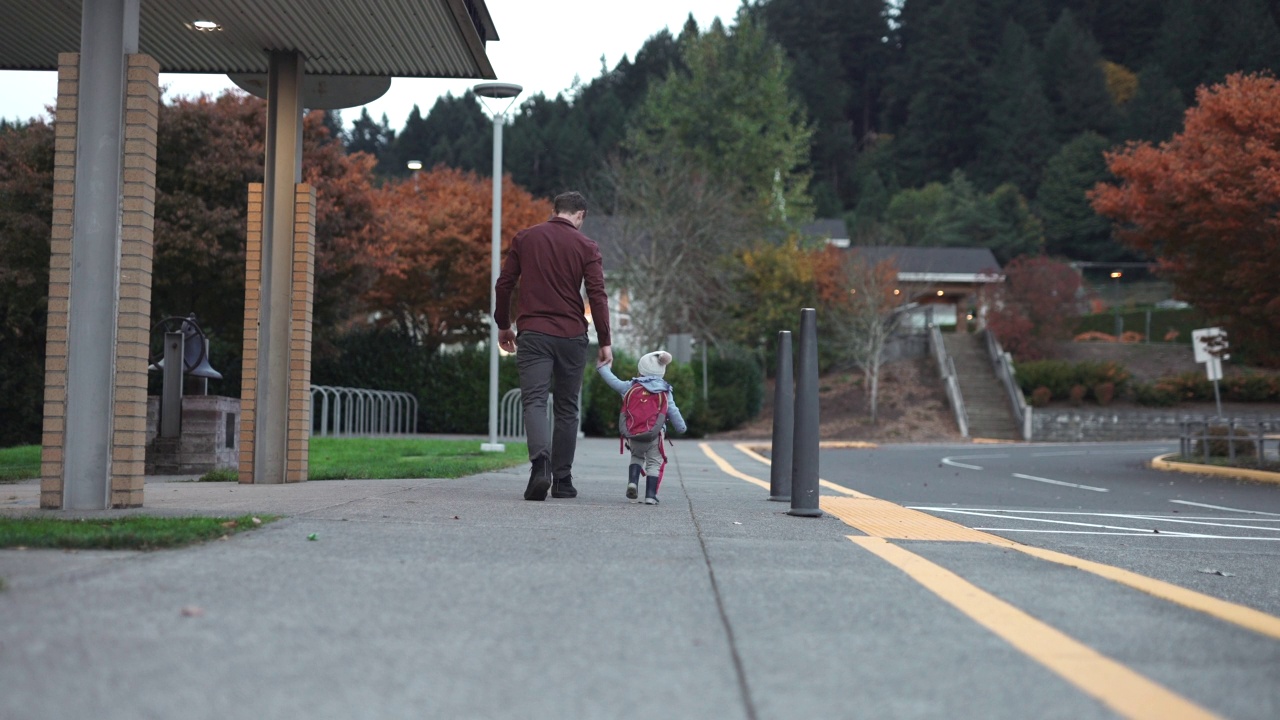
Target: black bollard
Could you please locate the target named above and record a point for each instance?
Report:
(804, 464)
(784, 415)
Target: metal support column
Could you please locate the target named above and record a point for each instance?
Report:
(283, 173)
(108, 32)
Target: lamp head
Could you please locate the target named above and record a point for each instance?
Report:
(497, 90)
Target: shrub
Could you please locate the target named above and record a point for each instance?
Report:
(1061, 376)
(1190, 386)
(1252, 387)
(1076, 395)
(1159, 394)
(1041, 396)
(1104, 393)
(1220, 445)
(1057, 376)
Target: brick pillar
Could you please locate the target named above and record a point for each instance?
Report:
(301, 294)
(252, 305)
(137, 211)
(133, 324)
(55, 367)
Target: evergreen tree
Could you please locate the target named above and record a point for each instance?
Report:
(458, 135)
(1074, 80)
(1181, 48)
(370, 137)
(839, 56)
(1155, 112)
(548, 149)
(411, 143)
(1018, 135)
(332, 121)
(1072, 229)
(733, 114)
(1248, 40)
(945, 112)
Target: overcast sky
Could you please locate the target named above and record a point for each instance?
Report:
(543, 46)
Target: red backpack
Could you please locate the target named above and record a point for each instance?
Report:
(644, 413)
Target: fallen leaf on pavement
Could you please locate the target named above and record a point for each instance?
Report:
(192, 611)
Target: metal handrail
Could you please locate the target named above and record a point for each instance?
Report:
(1196, 437)
(346, 411)
(1005, 371)
(947, 368)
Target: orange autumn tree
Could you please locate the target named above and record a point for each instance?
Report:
(433, 258)
(1207, 205)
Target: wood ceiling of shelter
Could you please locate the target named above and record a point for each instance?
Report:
(397, 38)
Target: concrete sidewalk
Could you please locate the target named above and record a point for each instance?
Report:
(458, 599)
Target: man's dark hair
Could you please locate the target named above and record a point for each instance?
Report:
(570, 203)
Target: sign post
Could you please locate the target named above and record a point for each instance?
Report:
(1210, 347)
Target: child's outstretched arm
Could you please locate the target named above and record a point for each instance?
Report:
(606, 372)
(674, 416)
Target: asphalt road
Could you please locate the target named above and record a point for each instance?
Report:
(1101, 503)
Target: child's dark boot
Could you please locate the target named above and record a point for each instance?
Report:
(651, 490)
(633, 481)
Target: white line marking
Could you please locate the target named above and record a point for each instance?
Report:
(953, 463)
(1059, 482)
(1219, 507)
(1067, 522)
(1089, 514)
(982, 457)
(1127, 534)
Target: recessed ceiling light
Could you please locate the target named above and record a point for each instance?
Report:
(206, 25)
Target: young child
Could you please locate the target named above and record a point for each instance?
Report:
(647, 455)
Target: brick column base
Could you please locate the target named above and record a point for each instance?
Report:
(128, 431)
(301, 293)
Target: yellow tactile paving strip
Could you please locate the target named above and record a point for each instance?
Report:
(883, 519)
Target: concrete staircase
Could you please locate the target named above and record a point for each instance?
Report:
(985, 400)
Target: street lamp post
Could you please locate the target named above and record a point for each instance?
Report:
(414, 166)
(496, 91)
(1115, 276)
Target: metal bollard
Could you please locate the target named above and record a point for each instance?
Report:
(804, 464)
(784, 415)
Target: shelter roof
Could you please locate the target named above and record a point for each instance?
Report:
(389, 38)
(936, 264)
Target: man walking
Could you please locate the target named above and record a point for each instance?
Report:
(552, 262)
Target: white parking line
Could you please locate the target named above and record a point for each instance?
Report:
(1059, 482)
(1219, 507)
(953, 463)
(1143, 531)
(1127, 534)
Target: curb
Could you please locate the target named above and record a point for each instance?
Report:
(1161, 462)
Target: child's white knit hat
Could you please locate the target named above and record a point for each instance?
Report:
(654, 363)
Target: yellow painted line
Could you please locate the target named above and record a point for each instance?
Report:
(729, 469)
(1163, 462)
(749, 451)
(886, 520)
(824, 444)
(1115, 685)
(883, 519)
(1245, 617)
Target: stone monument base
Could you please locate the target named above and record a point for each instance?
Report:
(210, 437)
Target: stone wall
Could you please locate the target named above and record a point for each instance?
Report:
(1113, 426)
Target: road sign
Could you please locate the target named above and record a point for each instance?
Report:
(1208, 343)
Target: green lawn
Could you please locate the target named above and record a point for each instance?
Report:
(338, 458)
(135, 532)
(19, 463)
